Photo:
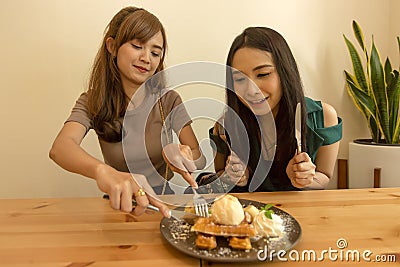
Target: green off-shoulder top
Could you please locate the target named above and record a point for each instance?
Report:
(317, 134)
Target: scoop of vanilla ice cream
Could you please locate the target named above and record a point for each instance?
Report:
(227, 210)
(268, 227)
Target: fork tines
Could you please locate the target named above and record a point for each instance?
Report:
(200, 204)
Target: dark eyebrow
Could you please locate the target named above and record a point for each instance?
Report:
(256, 68)
(158, 47)
(263, 66)
(236, 72)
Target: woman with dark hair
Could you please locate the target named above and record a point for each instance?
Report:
(262, 70)
(120, 109)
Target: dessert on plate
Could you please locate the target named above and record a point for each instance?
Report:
(230, 220)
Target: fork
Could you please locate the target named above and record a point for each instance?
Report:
(200, 204)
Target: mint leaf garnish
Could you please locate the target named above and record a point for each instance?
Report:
(267, 210)
(267, 207)
(268, 214)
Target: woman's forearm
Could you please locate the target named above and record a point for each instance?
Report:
(320, 181)
(72, 157)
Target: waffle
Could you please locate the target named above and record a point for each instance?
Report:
(242, 243)
(204, 241)
(208, 226)
(190, 209)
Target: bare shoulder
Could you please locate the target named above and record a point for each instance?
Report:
(330, 115)
(218, 130)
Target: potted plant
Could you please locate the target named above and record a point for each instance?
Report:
(375, 91)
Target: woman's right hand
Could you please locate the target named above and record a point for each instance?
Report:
(180, 160)
(123, 186)
(301, 170)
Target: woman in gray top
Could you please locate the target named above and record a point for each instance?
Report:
(129, 128)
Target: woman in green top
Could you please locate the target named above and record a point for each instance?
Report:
(263, 70)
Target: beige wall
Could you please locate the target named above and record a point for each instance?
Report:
(47, 47)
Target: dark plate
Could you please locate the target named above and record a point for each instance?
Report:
(179, 236)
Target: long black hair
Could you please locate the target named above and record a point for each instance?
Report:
(269, 40)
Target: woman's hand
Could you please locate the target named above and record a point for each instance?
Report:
(235, 171)
(180, 159)
(122, 187)
(301, 170)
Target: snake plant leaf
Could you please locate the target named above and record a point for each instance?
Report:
(393, 91)
(396, 103)
(352, 85)
(398, 43)
(352, 79)
(353, 91)
(394, 97)
(396, 138)
(388, 71)
(379, 93)
(359, 36)
(375, 130)
(375, 89)
(396, 134)
(357, 65)
(362, 99)
(365, 104)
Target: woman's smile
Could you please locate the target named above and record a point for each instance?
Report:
(257, 102)
(141, 69)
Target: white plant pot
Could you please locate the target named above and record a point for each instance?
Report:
(364, 158)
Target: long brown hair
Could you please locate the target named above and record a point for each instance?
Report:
(107, 101)
(269, 40)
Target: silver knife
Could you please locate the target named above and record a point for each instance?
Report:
(297, 125)
(176, 214)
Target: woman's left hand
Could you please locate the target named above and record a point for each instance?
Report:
(301, 170)
(180, 159)
(235, 171)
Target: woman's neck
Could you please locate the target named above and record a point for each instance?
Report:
(268, 135)
(132, 92)
(130, 89)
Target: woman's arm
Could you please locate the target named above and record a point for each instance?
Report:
(303, 173)
(67, 153)
(187, 137)
(326, 155)
(220, 159)
(236, 171)
(186, 157)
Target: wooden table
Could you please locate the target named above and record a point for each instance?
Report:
(78, 232)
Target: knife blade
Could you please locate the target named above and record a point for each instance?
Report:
(176, 214)
(297, 125)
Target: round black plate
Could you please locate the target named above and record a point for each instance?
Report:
(179, 236)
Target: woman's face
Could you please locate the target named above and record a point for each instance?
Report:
(138, 61)
(256, 80)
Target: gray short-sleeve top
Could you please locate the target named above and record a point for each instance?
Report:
(141, 149)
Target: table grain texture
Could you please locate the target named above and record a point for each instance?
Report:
(79, 232)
